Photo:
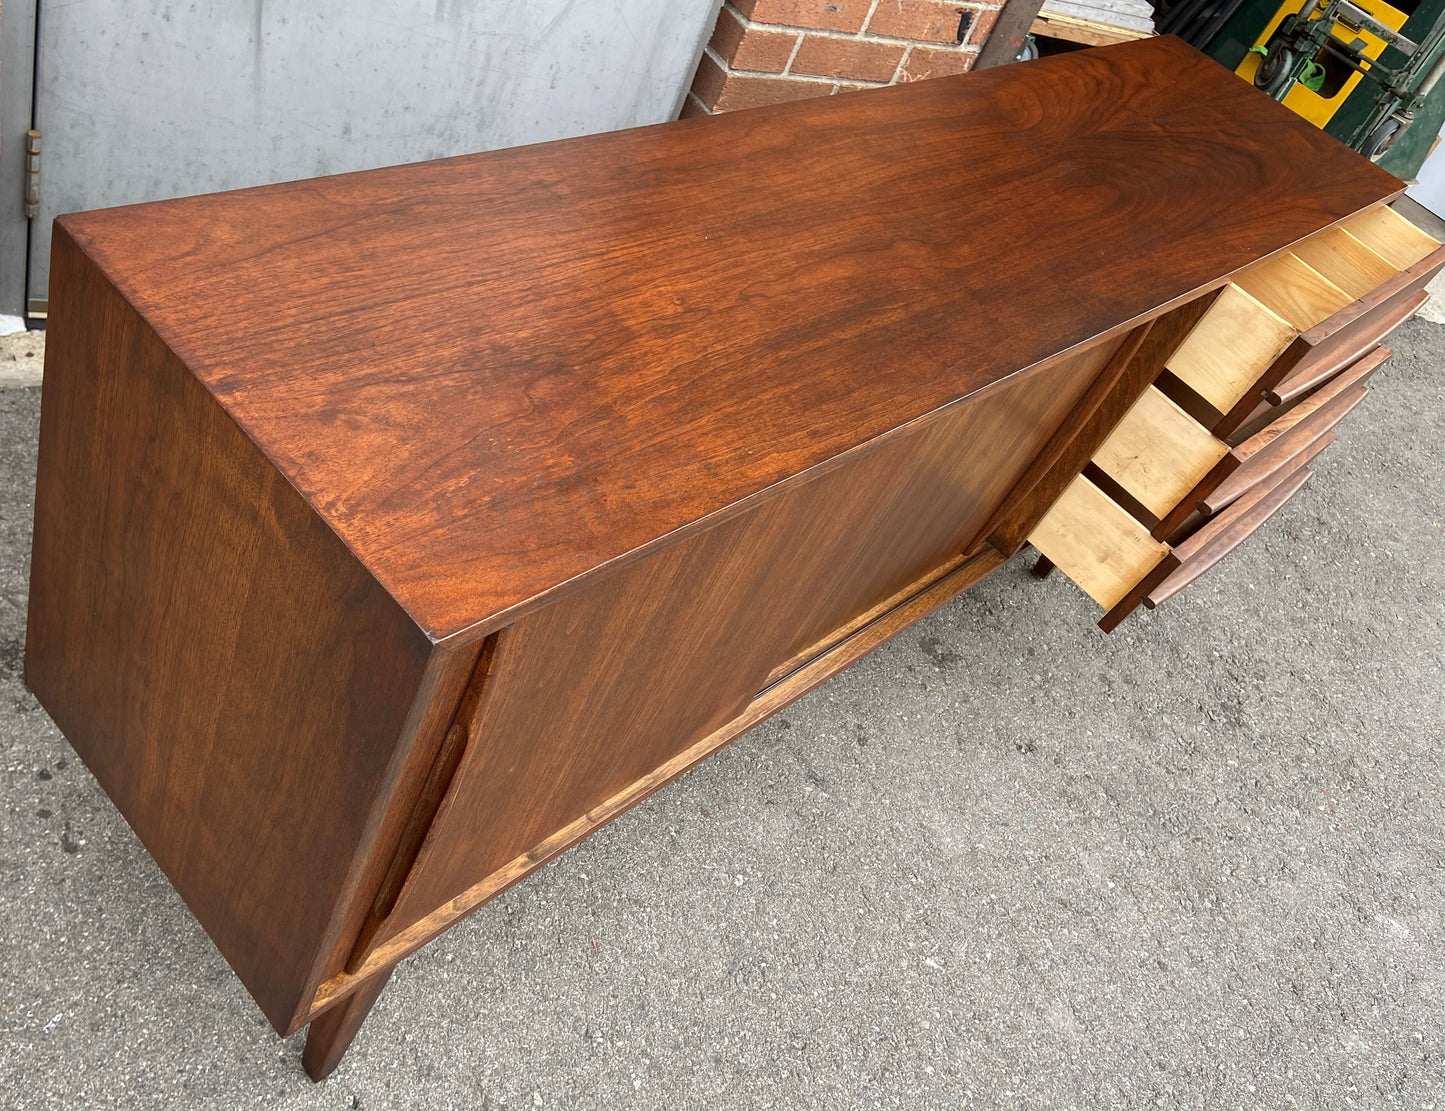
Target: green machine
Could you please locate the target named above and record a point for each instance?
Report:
(1365, 71)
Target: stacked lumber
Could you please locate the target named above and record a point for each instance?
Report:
(1095, 22)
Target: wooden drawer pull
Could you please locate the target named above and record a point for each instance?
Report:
(1221, 536)
(1316, 370)
(1357, 374)
(1280, 451)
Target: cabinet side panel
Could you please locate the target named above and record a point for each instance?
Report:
(224, 666)
(598, 690)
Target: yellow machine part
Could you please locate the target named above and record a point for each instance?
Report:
(1319, 110)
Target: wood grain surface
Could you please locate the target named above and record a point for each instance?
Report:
(594, 692)
(235, 680)
(493, 375)
(776, 697)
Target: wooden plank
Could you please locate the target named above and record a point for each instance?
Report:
(1345, 261)
(1391, 235)
(1159, 452)
(1007, 37)
(1089, 32)
(1230, 348)
(603, 353)
(1096, 543)
(1293, 290)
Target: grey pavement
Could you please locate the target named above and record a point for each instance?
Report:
(1004, 862)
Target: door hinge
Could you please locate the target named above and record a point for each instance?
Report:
(32, 174)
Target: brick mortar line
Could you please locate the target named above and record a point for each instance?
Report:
(862, 35)
(865, 36)
(867, 19)
(809, 78)
(901, 66)
(911, 45)
(788, 65)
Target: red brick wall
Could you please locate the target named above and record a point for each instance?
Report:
(769, 51)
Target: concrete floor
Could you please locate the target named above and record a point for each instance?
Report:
(1004, 862)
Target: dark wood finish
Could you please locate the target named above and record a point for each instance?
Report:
(776, 697)
(231, 675)
(331, 1033)
(428, 800)
(629, 334)
(1043, 567)
(1182, 394)
(1221, 536)
(396, 530)
(1278, 452)
(1196, 520)
(755, 591)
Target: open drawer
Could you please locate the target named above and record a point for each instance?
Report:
(1168, 481)
(1108, 554)
(1116, 534)
(1289, 322)
(1115, 561)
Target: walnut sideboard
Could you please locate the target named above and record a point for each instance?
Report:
(396, 530)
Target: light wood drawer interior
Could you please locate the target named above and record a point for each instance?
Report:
(1094, 541)
(1346, 261)
(1391, 236)
(1294, 291)
(1227, 351)
(1165, 474)
(1159, 453)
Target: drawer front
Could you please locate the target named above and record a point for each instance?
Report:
(1346, 347)
(1226, 532)
(1268, 453)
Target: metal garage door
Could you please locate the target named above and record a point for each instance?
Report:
(148, 99)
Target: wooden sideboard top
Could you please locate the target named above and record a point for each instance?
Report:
(494, 374)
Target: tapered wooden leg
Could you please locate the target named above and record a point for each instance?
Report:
(329, 1034)
(1044, 567)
